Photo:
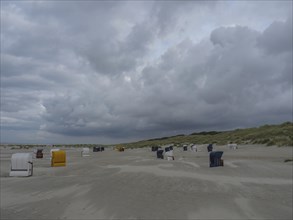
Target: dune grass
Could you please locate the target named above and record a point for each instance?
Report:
(278, 135)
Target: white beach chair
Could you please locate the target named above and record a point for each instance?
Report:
(169, 155)
(85, 152)
(21, 164)
(232, 146)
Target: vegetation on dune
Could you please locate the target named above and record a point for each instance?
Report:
(277, 135)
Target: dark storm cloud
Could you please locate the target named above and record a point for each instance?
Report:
(132, 70)
(228, 81)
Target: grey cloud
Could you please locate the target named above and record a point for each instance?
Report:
(10, 65)
(248, 76)
(236, 75)
(139, 39)
(42, 38)
(238, 35)
(22, 113)
(277, 38)
(31, 37)
(14, 101)
(110, 56)
(165, 14)
(28, 73)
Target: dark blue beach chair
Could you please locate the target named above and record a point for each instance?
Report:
(215, 159)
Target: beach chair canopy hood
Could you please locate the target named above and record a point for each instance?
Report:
(53, 150)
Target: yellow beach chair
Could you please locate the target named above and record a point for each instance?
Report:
(58, 158)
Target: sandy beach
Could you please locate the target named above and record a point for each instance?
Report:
(254, 183)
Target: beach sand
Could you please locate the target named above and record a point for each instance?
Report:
(254, 183)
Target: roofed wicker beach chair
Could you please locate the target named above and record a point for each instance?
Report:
(58, 158)
(21, 164)
(85, 152)
(215, 159)
(39, 153)
(160, 154)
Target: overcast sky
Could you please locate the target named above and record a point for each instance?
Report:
(119, 71)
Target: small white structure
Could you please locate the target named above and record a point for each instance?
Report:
(85, 152)
(56, 149)
(169, 155)
(232, 146)
(21, 164)
(194, 148)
